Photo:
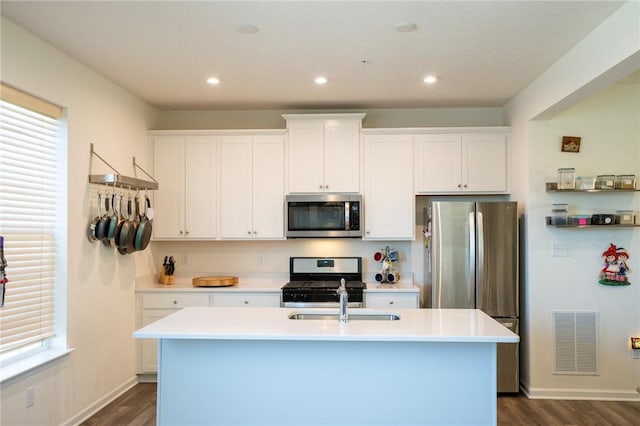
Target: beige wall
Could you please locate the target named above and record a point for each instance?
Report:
(375, 118)
(607, 54)
(100, 301)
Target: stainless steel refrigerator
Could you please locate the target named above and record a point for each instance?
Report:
(472, 262)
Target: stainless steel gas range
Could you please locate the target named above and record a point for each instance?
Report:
(314, 281)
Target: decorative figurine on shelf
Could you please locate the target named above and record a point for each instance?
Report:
(615, 267)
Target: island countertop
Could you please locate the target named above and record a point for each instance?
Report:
(414, 325)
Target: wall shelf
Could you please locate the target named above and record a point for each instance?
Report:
(571, 226)
(553, 187)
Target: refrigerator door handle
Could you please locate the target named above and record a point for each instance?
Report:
(471, 285)
(480, 255)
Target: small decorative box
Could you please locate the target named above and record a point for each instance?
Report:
(625, 182)
(605, 182)
(585, 182)
(625, 217)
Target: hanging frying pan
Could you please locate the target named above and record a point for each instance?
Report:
(135, 223)
(143, 233)
(113, 222)
(91, 229)
(103, 225)
(127, 233)
(119, 222)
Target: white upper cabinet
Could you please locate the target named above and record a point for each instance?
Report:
(455, 163)
(252, 187)
(388, 187)
(324, 152)
(185, 203)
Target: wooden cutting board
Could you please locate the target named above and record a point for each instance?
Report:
(215, 281)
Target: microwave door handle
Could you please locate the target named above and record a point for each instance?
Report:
(347, 214)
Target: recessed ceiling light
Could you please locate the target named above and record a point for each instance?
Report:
(430, 79)
(405, 27)
(213, 81)
(246, 29)
(320, 80)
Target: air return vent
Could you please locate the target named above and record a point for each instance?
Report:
(575, 343)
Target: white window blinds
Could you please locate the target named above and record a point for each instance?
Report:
(28, 224)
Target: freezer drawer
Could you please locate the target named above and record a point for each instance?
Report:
(508, 359)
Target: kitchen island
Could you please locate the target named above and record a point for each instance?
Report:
(235, 366)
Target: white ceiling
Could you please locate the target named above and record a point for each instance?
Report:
(484, 52)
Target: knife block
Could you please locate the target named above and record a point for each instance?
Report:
(166, 279)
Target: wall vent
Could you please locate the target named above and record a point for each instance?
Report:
(575, 343)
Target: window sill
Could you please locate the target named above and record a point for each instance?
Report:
(28, 364)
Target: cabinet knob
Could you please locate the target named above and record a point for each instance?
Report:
(186, 232)
(175, 302)
(391, 302)
(465, 185)
(246, 302)
(248, 232)
(255, 232)
(459, 186)
(320, 186)
(181, 232)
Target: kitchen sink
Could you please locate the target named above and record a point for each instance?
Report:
(353, 316)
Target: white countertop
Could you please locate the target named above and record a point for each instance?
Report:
(415, 325)
(270, 283)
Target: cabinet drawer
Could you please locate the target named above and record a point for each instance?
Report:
(270, 300)
(385, 300)
(173, 301)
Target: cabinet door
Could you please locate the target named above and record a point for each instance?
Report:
(388, 193)
(169, 199)
(438, 165)
(268, 187)
(484, 162)
(236, 187)
(201, 187)
(306, 156)
(342, 156)
(149, 347)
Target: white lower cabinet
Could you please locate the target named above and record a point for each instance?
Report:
(247, 299)
(392, 299)
(155, 306)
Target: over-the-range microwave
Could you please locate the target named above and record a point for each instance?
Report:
(324, 216)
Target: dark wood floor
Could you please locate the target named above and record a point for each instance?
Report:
(138, 407)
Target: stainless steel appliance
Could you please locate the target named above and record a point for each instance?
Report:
(472, 262)
(314, 282)
(324, 216)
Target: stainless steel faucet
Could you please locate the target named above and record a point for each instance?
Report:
(344, 302)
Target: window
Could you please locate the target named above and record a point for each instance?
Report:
(30, 213)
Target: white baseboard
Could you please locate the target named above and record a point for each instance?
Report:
(581, 394)
(102, 402)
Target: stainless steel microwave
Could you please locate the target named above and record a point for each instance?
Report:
(324, 216)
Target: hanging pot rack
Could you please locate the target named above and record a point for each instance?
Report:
(119, 180)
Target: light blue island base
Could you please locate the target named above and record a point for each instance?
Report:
(307, 382)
